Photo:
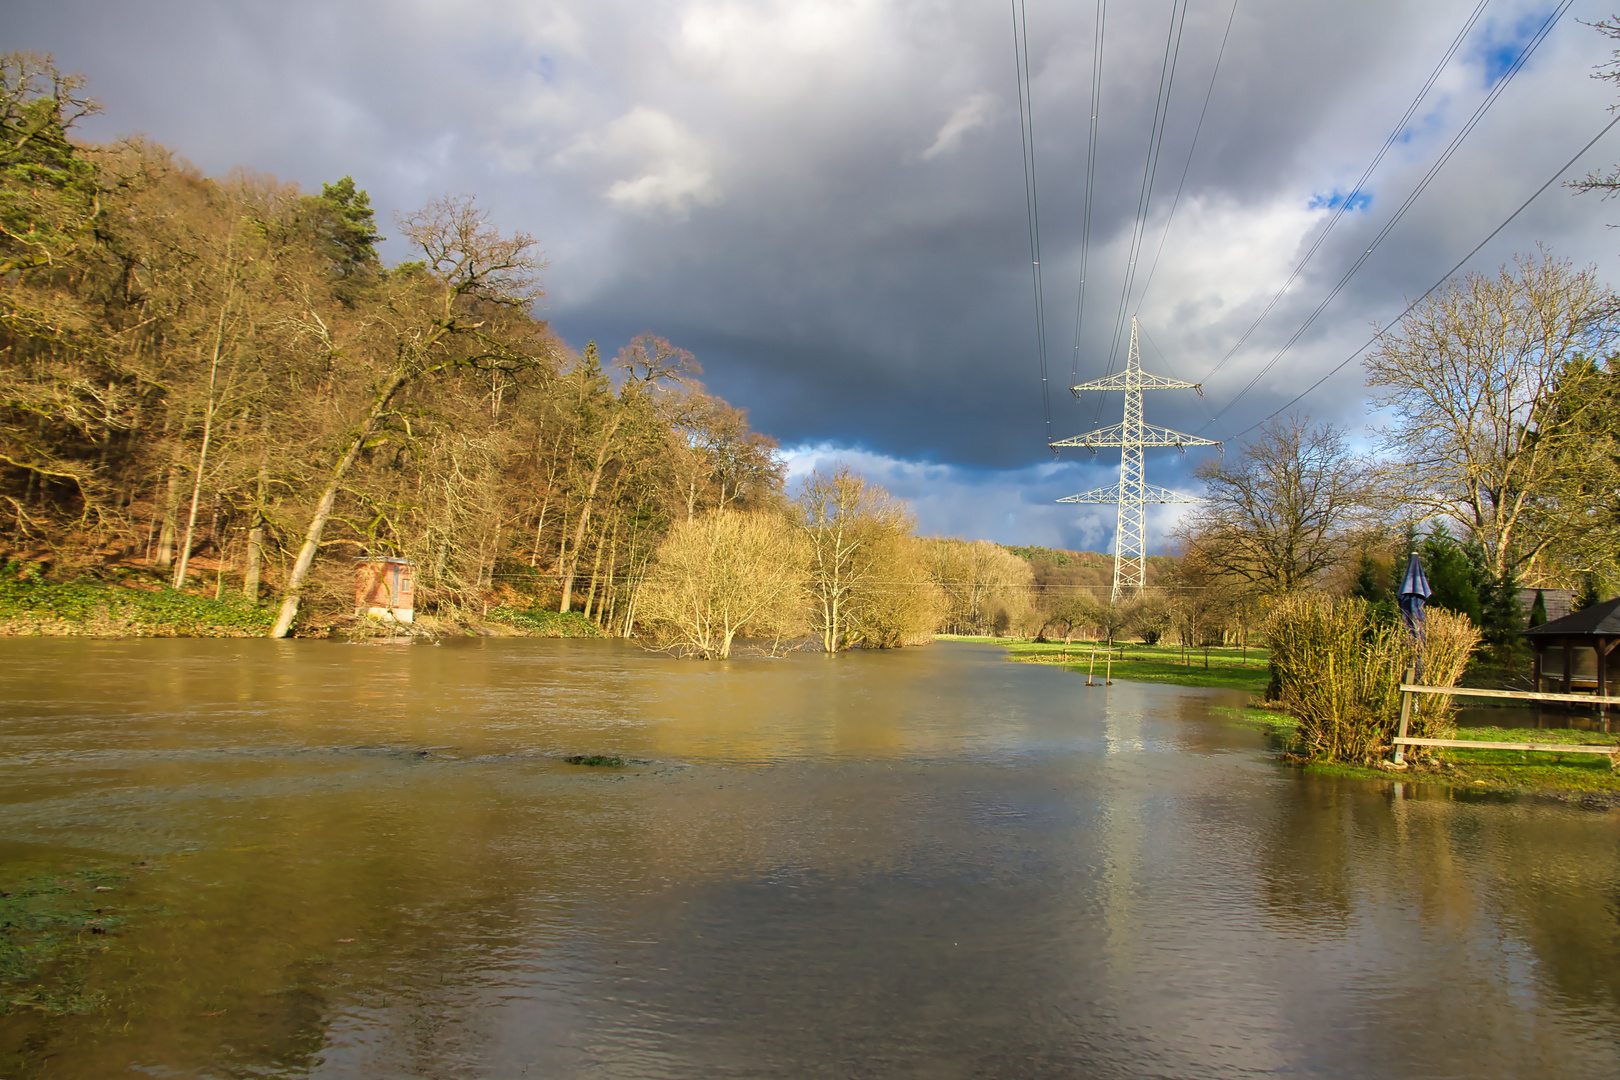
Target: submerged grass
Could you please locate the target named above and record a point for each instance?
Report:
(595, 760)
(51, 925)
(1228, 669)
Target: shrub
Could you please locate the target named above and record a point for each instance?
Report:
(1339, 667)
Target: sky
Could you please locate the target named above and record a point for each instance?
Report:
(825, 200)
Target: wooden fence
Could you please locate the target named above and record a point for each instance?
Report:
(1408, 689)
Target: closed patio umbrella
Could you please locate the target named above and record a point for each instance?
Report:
(1411, 596)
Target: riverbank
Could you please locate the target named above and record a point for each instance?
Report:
(1222, 668)
(133, 605)
(1587, 778)
(1581, 777)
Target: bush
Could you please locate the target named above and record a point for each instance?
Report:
(1340, 666)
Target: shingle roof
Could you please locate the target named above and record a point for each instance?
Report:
(1598, 620)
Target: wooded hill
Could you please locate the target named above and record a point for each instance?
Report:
(218, 377)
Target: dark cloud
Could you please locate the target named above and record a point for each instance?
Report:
(824, 199)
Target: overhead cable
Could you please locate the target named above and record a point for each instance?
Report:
(1349, 200)
(1428, 177)
(1219, 55)
(1026, 131)
(1090, 185)
(1150, 168)
(1340, 366)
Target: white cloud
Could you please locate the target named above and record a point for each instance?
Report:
(1006, 506)
(974, 113)
(669, 170)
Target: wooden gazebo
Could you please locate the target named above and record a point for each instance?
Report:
(1577, 653)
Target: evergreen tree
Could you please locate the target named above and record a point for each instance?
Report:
(1366, 586)
(1452, 575)
(1588, 594)
(1503, 619)
(1538, 610)
(346, 229)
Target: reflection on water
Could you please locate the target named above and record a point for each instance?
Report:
(1573, 716)
(371, 861)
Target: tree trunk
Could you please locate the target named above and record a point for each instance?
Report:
(572, 563)
(255, 542)
(196, 494)
(610, 594)
(171, 511)
(323, 509)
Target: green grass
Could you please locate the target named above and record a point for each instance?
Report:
(1228, 669)
(544, 622)
(32, 605)
(1273, 722)
(1506, 770)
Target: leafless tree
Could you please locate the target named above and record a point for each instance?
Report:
(1276, 516)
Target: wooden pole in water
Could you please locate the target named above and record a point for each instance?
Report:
(1406, 714)
(1092, 666)
(1108, 671)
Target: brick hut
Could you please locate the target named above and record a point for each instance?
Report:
(385, 588)
(1577, 652)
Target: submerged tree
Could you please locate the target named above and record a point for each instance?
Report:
(724, 575)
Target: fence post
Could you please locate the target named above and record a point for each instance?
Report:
(1406, 714)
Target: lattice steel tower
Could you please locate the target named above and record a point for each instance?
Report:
(1132, 493)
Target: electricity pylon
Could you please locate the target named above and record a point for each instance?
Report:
(1132, 492)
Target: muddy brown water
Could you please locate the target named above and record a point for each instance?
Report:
(371, 861)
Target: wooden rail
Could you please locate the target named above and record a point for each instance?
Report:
(1408, 688)
(1547, 748)
(1514, 695)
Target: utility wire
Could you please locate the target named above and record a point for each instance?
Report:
(1150, 168)
(1026, 132)
(1090, 186)
(1443, 279)
(1350, 199)
(1451, 149)
(1194, 146)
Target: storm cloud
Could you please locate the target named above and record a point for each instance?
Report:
(825, 200)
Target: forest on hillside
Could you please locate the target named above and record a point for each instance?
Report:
(216, 382)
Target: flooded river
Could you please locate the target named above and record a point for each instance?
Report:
(373, 861)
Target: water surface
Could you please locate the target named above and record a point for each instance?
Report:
(372, 861)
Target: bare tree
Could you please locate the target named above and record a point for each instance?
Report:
(1470, 379)
(1277, 515)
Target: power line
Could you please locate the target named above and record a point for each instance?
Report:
(1443, 279)
(1349, 200)
(1428, 177)
(1194, 146)
(1090, 186)
(1150, 168)
(1026, 132)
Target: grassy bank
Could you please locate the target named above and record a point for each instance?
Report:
(31, 606)
(1227, 669)
(1527, 771)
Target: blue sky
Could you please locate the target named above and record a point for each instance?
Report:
(824, 199)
